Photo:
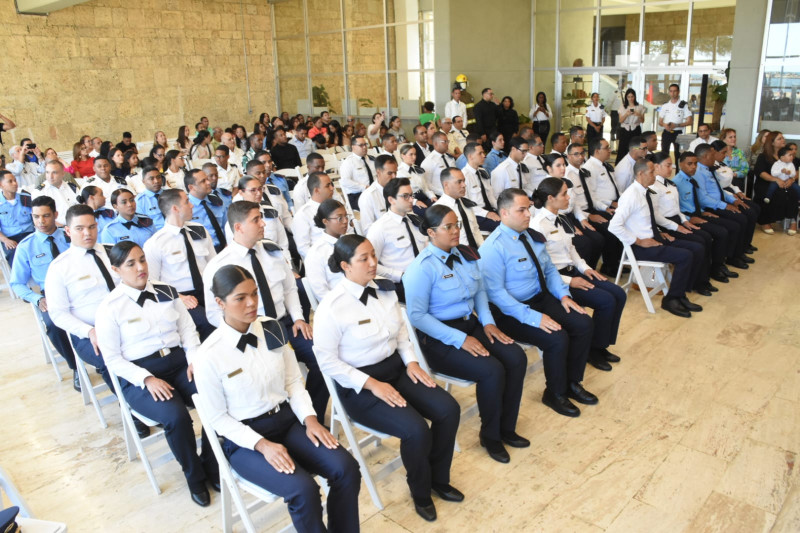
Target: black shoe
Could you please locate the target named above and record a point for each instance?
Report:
(201, 497)
(514, 440)
(560, 404)
(76, 381)
(738, 263)
(215, 485)
(610, 357)
(728, 272)
(748, 260)
(599, 362)
(720, 276)
(142, 429)
(674, 306)
(709, 287)
(447, 492)
(496, 450)
(689, 305)
(579, 394)
(425, 509)
(751, 249)
(702, 291)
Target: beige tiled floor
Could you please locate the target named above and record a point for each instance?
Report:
(697, 430)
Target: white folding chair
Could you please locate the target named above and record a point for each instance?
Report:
(449, 381)
(312, 299)
(51, 356)
(651, 276)
(6, 270)
(89, 391)
(25, 519)
(342, 155)
(289, 172)
(340, 416)
(231, 482)
(133, 443)
(373, 151)
(331, 162)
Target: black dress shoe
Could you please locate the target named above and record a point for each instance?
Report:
(514, 440)
(689, 305)
(447, 492)
(610, 357)
(748, 260)
(738, 263)
(751, 248)
(728, 272)
(599, 362)
(702, 291)
(709, 287)
(215, 485)
(201, 497)
(719, 276)
(674, 306)
(496, 450)
(425, 509)
(579, 394)
(560, 404)
(142, 429)
(76, 381)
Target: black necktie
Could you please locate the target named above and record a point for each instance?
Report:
(102, 267)
(368, 291)
(215, 224)
(247, 338)
(53, 247)
(481, 172)
(719, 187)
(466, 225)
(129, 224)
(563, 222)
(582, 174)
(144, 296)
(524, 240)
(444, 158)
(611, 178)
(194, 271)
(265, 199)
(696, 197)
(656, 234)
(452, 258)
(263, 285)
(411, 236)
(369, 171)
(519, 175)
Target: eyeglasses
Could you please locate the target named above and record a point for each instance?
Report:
(361, 145)
(342, 218)
(406, 196)
(537, 144)
(449, 227)
(255, 189)
(578, 153)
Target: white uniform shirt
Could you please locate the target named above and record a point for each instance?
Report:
(536, 168)
(433, 164)
(371, 205)
(235, 385)
(671, 112)
(392, 243)
(349, 335)
(279, 275)
(127, 331)
(235, 157)
(304, 229)
(166, 255)
(174, 179)
(596, 113)
(228, 177)
(353, 175)
(474, 191)
(318, 275)
(623, 173)
(456, 108)
(581, 207)
(63, 196)
(419, 182)
(559, 243)
(601, 186)
(456, 139)
(273, 230)
(506, 175)
(666, 203)
(301, 194)
(75, 287)
(631, 220)
(698, 141)
(108, 187)
(471, 220)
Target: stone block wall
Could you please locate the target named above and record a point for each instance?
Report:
(108, 66)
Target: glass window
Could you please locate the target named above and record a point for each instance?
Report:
(780, 95)
(619, 37)
(665, 34)
(405, 47)
(544, 47)
(402, 11)
(577, 4)
(712, 34)
(576, 39)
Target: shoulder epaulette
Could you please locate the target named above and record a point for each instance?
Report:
(414, 218)
(468, 253)
(72, 186)
(214, 200)
(25, 199)
(274, 333)
(385, 285)
(41, 186)
(523, 167)
(145, 222)
(105, 213)
(273, 190)
(371, 157)
(468, 203)
(682, 104)
(602, 106)
(224, 192)
(270, 246)
(164, 292)
(198, 232)
(536, 236)
(108, 248)
(268, 212)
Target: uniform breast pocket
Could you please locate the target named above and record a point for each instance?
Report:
(85, 282)
(402, 242)
(276, 274)
(134, 327)
(176, 258)
(40, 260)
(365, 328)
(523, 264)
(448, 282)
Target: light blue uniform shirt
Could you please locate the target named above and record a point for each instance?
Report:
(15, 218)
(686, 192)
(710, 198)
(147, 205)
(31, 261)
(510, 274)
(138, 230)
(104, 217)
(199, 215)
(461, 162)
(435, 293)
(493, 158)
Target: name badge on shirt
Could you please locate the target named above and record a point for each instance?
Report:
(124, 238)
(401, 237)
(134, 320)
(235, 373)
(365, 321)
(84, 277)
(522, 259)
(40, 255)
(551, 233)
(668, 191)
(177, 252)
(447, 276)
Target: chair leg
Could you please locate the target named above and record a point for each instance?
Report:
(356, 451)
(128, 421)
(227, 518)
(643, 288)
(88, 392)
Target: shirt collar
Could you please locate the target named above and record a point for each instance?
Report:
(329, 238)
(397, 218)
(354, 289)
(639, 187)
(173, 230)
(546, 213)
(510, 232)
(134, 294)
(238, 249)
(440, 254)
(231, 336)
(41, 237)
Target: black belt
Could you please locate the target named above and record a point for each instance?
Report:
(570, 271)
(275, 410)
(453, 322)
(163, 352)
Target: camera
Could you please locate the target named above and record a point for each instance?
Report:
(31, 146)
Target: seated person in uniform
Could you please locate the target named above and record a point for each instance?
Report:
(147, 200)
(15, 214)
(127, 226)
(332, 220)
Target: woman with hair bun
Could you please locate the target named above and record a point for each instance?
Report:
(363, 345)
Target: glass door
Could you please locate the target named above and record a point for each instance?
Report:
(714, 107)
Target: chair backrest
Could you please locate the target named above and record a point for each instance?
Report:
(312, 298)
(342, 155)
(291, 172)
(412, 336)
(225, 472)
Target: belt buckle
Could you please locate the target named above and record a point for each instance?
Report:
(276, 410)
(163, 352)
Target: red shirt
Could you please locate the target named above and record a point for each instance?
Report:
(86, 168)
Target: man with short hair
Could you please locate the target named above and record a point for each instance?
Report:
(486, 113)
(277, 292)
(372, 204)
(455, 107)
(623, 172)
(651, 141)
(300, 195)
(459, 133)
(31, 262)
(601, 183)
(179, 252)
(356, 172)
(389, 147)
(147, 200)
(534, 160)
(210, 169)
(436, 161)
(577, 135)
(97, 142)
(272, 195)
(703, 136)
(229, 173)
(673, 116)
(276, 180)
(529, 300)
(284, 154)
(304, 229)
(206, 209)
(216, 137)
(15, 214)
(512, 173)
(421, 144)
(126, 143)
(447, 129)
(105, 181)
(496, 155)
(301, 142)
(454, 190)
(479, 188)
